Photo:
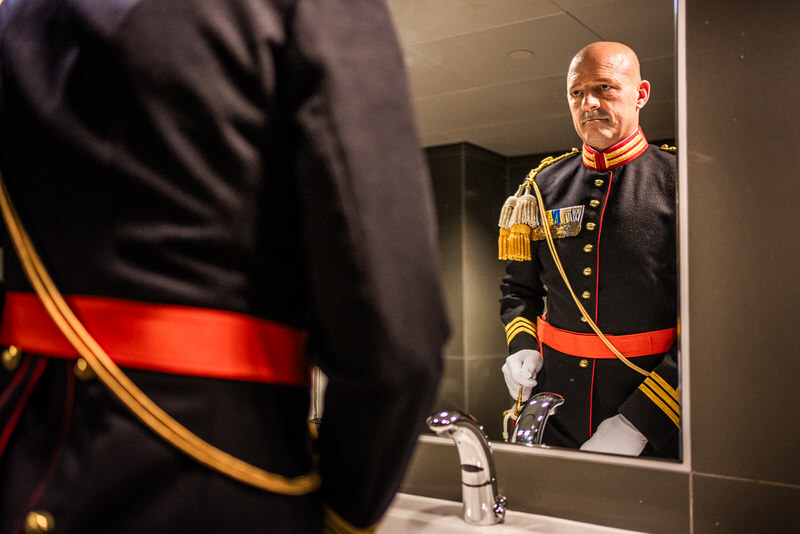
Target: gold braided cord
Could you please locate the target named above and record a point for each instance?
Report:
(124, 389)
(560, 267)
(333, 523)
(546, 162)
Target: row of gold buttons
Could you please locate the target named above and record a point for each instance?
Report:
(38, 521)
(586, 295)
(11, 356)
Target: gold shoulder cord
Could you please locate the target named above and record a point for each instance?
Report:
(591, 323)
(125, 390)
(518, 216)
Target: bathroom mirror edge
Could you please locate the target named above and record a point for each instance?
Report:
(679, 136)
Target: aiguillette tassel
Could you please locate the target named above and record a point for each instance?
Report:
(519, 243)
(523, 219)
(505, 227)
(502, 243)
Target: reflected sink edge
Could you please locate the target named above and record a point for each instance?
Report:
(414, 514)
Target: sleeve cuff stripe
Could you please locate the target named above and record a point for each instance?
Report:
(520, 322)
(671, 402)
(665, 386)
(518, 325)
(521, 328)
(674, 417)
(510, 334)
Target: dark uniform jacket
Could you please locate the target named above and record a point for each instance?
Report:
(256, 157)
(622, 266)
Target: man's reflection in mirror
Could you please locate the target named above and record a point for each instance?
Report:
(620, 260)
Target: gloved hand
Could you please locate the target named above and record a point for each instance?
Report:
(616, 435)
(520, 369)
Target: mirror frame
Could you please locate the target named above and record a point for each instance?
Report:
(683, 465)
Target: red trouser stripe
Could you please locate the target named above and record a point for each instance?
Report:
(591, 346)
(165, 338)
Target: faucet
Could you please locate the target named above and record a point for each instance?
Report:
(529, 427)
(482, 505)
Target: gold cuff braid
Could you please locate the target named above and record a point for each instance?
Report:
(335, 524)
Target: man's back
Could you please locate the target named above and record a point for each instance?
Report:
(241, 159)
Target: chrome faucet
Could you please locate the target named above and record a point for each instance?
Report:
(529, 428)
(482, 504)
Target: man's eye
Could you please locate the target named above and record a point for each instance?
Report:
(605, 87)
(575, 93)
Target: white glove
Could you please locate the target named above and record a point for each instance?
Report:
(520, 369)
(616, 435)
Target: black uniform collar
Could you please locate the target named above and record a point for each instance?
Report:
(626, 150)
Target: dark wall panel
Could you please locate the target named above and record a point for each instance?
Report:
(743, 106)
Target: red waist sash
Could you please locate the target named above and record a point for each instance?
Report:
(591, 346)
(165, 338)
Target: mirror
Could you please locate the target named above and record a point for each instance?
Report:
(488, 84)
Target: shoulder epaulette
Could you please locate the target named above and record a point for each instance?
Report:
(667, 148)
(520, 214)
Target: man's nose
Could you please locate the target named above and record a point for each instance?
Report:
(590, 101)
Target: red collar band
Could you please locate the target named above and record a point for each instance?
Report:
(626, 150)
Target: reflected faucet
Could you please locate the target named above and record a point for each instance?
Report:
(529, 427)
(482, 505)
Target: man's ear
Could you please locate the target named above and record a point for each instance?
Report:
(643, 94)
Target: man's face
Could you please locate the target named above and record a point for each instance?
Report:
(605, 98)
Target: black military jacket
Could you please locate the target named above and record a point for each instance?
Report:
(622, 265)
(252, 156)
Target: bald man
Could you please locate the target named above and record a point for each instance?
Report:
(612, 211)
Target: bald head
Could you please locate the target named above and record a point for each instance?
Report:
(605, 93)
(616, 56)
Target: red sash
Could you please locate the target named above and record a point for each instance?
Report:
(591, 346)
(165, 338)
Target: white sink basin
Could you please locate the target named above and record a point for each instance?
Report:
(412, 514)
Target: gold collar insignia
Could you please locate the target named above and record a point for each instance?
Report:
(626, 150)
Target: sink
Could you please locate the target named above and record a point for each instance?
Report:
(413, 514)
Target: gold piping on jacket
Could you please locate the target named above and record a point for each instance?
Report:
(123, 388)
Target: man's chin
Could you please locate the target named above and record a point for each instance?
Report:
(597, 140)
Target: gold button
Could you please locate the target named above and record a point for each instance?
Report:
(594, 203)
(39, 522)
(82, 370)
(588, 247)
(584, 363)
(591, 226)
(599, 182)
(11, 357)
(586, 295)
(587, 271)
(583, 319)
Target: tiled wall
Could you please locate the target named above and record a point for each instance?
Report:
(743, 196)
(470, 187)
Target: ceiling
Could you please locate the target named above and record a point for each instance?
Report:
(492, 72)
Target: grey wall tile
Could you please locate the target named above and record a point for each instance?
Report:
(487, 396)
(452, 388)
(434, 471)
(484, 196)
(743, 197)
(620, 496)
(446, 168)
(735, 505)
